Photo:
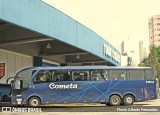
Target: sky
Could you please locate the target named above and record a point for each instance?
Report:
(113, 20)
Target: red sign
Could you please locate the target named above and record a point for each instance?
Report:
(2, 70)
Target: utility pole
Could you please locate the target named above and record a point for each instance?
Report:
(132, 57)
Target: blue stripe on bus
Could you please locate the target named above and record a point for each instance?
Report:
(88, 88)
(84, 93)
(79, 92)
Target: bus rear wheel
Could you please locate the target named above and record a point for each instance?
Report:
(115, 100)
(34, 102)
(128, 100)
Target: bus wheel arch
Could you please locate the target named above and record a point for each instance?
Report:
(34, 101)
(115, 100)
(128, 99)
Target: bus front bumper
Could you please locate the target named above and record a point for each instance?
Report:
(18, 100)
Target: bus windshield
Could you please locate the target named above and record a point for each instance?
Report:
(21, 81)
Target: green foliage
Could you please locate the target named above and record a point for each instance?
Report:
(153, 60)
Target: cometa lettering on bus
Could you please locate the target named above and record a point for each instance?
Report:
(63, 86)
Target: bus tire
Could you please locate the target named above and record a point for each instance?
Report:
(34, 101)
(128, 100)
(115, 100)
(107, 104)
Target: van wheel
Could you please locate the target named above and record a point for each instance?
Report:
(115, 100)
(128, 100)
(34, 101)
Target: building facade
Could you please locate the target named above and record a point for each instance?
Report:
(154, 30)
(133, 55)
(142, 51)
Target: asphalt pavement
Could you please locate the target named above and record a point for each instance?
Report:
(149, 107)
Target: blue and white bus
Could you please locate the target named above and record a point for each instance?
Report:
(83, 84)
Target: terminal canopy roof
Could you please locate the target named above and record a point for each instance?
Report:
(34, 28)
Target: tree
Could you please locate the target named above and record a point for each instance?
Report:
(153, 60)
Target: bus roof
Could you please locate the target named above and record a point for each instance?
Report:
(86, 67)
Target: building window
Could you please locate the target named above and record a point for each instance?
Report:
(157, 35)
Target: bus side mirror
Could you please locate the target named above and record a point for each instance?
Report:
(9, 80)
(21, 84)
(11, 83)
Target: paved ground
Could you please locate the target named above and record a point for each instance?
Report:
(87, 109)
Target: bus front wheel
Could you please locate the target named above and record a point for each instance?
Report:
(115, 100)
(128, 100)
(34, 101)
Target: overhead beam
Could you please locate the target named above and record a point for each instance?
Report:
(82, 62)
(24, 41)
(3, 25)
(62, 53)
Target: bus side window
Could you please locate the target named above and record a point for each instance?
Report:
(98, 75)
(55, 77)
(43, 76)
(136, 74)
(122, 76)
(80, 75)
(105, 75)
(48, 76)
(66, 77)
(86, 76)
(118, 75)
(149, 74)
(61, 76)
(76, 76)
(95, 76)
(113, 76)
